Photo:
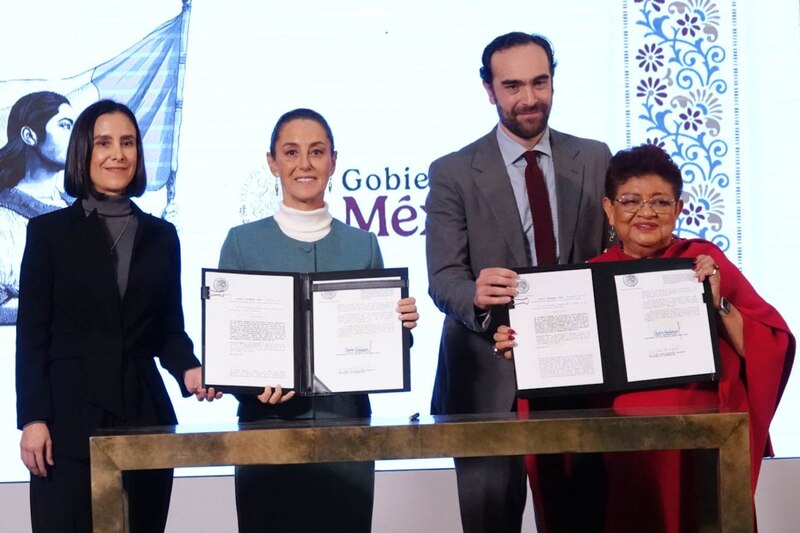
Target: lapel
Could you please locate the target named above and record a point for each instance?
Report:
(569, 188)
(137, 274)
(92, 243)
(492, 182)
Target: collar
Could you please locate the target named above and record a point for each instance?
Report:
(24, 204)
(108, 206)
(512, 151)
(77, 210)
(306, 226)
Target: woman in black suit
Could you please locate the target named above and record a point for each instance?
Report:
(100, 298)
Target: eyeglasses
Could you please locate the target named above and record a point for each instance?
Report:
(634, 204)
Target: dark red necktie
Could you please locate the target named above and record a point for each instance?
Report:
(539, 200)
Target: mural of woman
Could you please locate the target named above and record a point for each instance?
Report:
(31, 164)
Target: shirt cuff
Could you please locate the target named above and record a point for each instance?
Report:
(483, 318)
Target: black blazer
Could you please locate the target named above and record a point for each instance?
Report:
(82, 351)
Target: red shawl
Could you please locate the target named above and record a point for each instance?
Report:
(654, 491)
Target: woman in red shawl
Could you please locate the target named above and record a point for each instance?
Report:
(656, 491)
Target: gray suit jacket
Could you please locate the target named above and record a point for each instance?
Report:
(473, 223)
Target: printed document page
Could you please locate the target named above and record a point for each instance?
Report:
(665, 329)
(249, 330)
(358, 341)
(556, 330)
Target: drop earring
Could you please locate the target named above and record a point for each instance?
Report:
(612, 235)
(330, 184)
(277, 181)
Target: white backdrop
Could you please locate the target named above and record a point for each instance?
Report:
(399, 84)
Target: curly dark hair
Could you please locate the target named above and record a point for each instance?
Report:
(638, 161)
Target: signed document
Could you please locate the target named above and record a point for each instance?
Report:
(248, 323)
(612, 327)
(356, 338)
(558, 344)
(316, 334)
(665, 331)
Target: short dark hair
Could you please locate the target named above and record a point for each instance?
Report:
(299, 114)
(33, 110)
(77, 180)
(512, 40)
(638, 161)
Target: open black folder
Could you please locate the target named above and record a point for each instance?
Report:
(317, 333)
(608, 327)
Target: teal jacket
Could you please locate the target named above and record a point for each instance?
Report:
(261, 245)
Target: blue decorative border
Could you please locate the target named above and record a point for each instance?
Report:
(681, 76)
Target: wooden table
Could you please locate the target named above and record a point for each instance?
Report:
(312, 441)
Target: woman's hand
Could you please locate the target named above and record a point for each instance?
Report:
(36, 448)
(504, 342)
(705, 267)
(732, 322)
(193, 379)
(274, 396)
(407, 312)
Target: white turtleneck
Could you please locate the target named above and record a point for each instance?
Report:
(305, 226)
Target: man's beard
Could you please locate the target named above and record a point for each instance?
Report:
(527, 129)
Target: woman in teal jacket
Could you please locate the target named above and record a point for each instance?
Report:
(304, 237)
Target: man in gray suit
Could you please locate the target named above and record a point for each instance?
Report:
(479, 224)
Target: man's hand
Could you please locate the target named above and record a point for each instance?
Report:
(494, 286)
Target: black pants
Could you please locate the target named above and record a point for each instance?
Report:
(62, 502)
(491, 493)
(305, 498)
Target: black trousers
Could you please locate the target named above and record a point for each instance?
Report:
(305, 498)
(62, 502)
(491, 493)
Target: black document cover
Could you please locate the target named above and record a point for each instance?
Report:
(670, 331)
(315, 333)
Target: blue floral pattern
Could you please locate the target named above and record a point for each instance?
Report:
(680, 79)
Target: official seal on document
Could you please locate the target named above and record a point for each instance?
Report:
(522, 286)
(220, 285)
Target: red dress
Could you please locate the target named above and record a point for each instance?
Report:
(656, 491)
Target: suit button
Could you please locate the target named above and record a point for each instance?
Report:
(307, 249)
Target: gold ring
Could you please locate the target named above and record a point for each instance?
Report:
(716, 269)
